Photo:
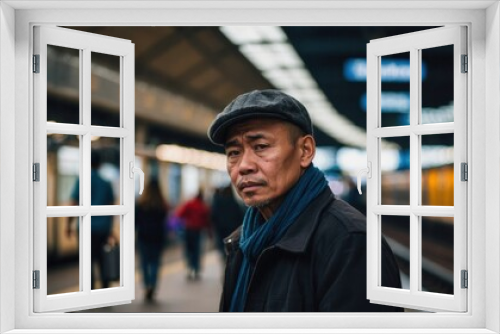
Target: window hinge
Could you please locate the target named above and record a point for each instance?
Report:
(464, 172)
(36, 172)
(465, 64)
(36, 63)
(36, 279)
(465, 279)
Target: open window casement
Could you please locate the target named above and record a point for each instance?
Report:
(84, 133)
(417, 132)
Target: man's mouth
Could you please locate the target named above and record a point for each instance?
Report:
(249, 186)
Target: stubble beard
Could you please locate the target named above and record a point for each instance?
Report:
(261, 204)
(258, 204)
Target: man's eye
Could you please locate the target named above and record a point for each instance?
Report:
(232, 153)
(260, 147)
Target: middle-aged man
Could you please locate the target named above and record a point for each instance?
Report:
(299, 249)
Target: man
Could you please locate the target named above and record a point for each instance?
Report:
(196, 217)
(226, 215)
(299, 249)
(101, 193)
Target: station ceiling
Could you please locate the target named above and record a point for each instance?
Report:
(197, 62)
(201, 64)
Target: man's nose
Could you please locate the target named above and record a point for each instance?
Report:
(247, 163)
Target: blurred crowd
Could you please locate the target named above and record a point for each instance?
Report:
(198, 223)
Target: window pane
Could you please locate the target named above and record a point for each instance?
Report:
(105, 171)
(63, 255)
(437, 254)
(105, 251)
(395, 90)
(63, 85)
(63, 169)
(437, 76)
(395, 173)
(105, 90)
(396, 231)
(437, 170)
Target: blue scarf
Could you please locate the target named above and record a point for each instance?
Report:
(256, 235)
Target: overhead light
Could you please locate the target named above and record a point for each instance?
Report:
(270, 52)
(271, 33)
(302, 77)
(288, 78)
(271, 56)
(253, 34)
(260, 55)
(286, 54)
(306, 94)
(191, 156)
(280, 78)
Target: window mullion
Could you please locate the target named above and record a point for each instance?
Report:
(111, 132)
(434, 129)
(393, 131)
(66, 129)
(414, 169)
(109, 210)
(85, 184)
(391, 210)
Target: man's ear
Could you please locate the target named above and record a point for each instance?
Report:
(308, 150)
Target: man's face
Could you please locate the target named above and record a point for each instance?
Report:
(262, 162)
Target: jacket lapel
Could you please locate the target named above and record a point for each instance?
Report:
(298, 235)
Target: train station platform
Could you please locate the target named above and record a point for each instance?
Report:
(175, 293)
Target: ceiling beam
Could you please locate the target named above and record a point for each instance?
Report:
(166, 43)
(230, 74)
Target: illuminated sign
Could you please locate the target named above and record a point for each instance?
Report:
(392, 70)
(391, 102)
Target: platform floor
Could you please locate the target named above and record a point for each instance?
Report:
(175, 293)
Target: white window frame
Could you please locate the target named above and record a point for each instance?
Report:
(482, 19)
(414, 43)
(86, 44)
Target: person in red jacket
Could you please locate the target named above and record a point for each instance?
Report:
(195, 215)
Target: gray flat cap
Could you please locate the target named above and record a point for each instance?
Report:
(269, 103)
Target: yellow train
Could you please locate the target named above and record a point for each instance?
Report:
(437, 187)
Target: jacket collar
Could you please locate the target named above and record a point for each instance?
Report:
(298, 235)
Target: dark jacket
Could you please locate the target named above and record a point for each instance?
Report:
(226, 213)
(150, 224)
(318, 266)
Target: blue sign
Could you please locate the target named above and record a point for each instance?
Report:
(392, 70)
(391, 102)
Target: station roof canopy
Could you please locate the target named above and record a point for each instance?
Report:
(199, 63)
(205, 66)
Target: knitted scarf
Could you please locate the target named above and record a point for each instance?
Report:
(256, 235)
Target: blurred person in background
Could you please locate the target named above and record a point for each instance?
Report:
(195, 215)
(101, 193)
(226, 215)
(300, 249)
(150, 213)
